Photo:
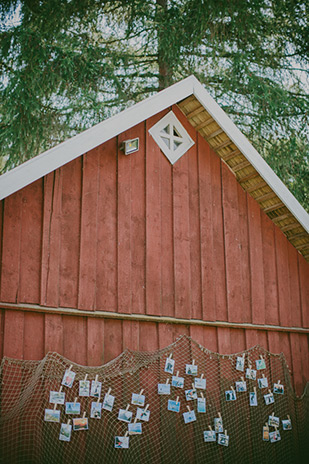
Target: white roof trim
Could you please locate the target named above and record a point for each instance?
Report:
(65, 152)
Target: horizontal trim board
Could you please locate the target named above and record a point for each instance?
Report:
(148, 318)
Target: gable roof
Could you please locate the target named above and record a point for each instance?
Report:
(205, 115)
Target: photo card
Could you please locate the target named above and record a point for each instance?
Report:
(122, 442)
(138, 400)
(80, 423)
(124, 415)
(260, 364)
(250, 373)
(209, 435)
(273, 421)
(240, 363)
(173, 406)
(72, 408)
(218, 424)
(278, 389)
(52, 415)
(143, 414)
(169, 365)
(189, 416)
(200, 383)
(96, 410)
(108, 402)
(274, 436)
(263, 382)
(265, 433)
(230, 395)
(191, 394)
(269, 398)
(286, 424)
(68, 378)
(96, 388)
(135, 428)
(84, 387)
(201, 405)
(164, 389)
(253, 399)
(223, 439)
(241, 386)
(65, 432)
(56, 397)
(191, 369)
(178, 382)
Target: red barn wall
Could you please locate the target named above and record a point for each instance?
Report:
(136, 235)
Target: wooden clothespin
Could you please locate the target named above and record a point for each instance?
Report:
(202, 376)
(126, 434)
(266, 425)
(109, 390)
(84, 415)
(177, 374)
(60, 389)
(98, 400)
(278, 382)
(219, 415)
(288, 417)
(261, 357)
(69, 421)
(96, 379)
(232, 388)
(263, 375)
(193, 362)
(75, 401)
(209, 426)
(135, 420)
(188, 408)
(177, 399)
(193, 387)
(55, 406)
(128, 406)
(202, 395)
(141, 392)
(225, 433)
(147, 406)
(242, 379)
(85, 377)
(70, 367)
(273, 414)
(170, 356)
(269, 391)
(167, 381)
(254, 389)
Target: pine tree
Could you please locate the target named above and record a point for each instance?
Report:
(68, 64)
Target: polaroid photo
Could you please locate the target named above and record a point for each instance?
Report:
(240, 363)
(84, 387)
(178, 382)
(230, 395)
(96, 410)
(191, 369)
(218, 424)
(260, 364)
(96, 388)
(135, 428)
(169, 365)
(72, 408)
(201, 405)
(209, 435)
(125, 416)
(274, 436)
(164, 389)
(200, 383)
(56, 397)
(68, 378)
(273, 421)
(253, 399)
(65, 432)
(52, 415)
(241, 386)
(122, 442)
(80, 423)
(173, 406)
(191, 394)
(108, 402)
(142, 414)
(269, 398)
(278, 388)
(223, 439)
(265, 433)
(138, 400)
(251, 374)
(189, 416)
(286, 424)
(263, 382)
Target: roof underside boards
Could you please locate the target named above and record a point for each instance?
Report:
(205, 115)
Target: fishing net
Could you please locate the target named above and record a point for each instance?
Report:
(167, 435)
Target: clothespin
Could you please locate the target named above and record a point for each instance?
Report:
(141, 392)
(75, 401)
(70, 367)
(225, 433)
(126, 434)
(55, 406)
(219, 415)
(147, 406)
(177, 399)
(273, 414)
(202, 395)
(232, 388)
(254, 389)
(109, 390)
(84, 415)
(209, 426)
(167, 381)
(85, 377)
(266, 425)
(60, 389)
(278, 382)
(261, 357)
(170, 356)
(69, 420)
(288, 417)
(96, 379)
(193, 387)
(177, 374)
(202, 376)
(128, 406)
(188, 408)
(269, 391)
(242, 379)
(263, 376)
(193, 362)
(98, 400)
(276, 428)
(135, 420)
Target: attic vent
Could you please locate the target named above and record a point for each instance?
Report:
(172, 137)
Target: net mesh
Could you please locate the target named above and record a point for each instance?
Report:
(25, 394)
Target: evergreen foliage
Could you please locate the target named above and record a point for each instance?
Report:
(68, 64)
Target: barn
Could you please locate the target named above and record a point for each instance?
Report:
(159, 222)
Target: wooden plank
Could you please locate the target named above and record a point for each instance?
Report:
(208, 264)
(295, 305)
(13, 340)
(113, 341)
(70, 233)
(33, 336)
(279, 342)
(30, 248)
(130, 335)
(297, 362)
(11, 248)
(256, 262)
(238, 340)
(270, 271)
(106, 296)
(95, 341)
(148, 337)
(53, 335)
(244, 251)
(75, 339)
(304, 289)
(303, 343)
(256, 337)
(283, 278)
(88, 235)
(51, 234)
(224, 341)
(2, 318)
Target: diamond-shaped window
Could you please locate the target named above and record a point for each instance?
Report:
(172, 137)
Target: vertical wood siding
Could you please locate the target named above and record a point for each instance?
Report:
(134, 234)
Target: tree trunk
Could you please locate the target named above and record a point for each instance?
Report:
(165, 73)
